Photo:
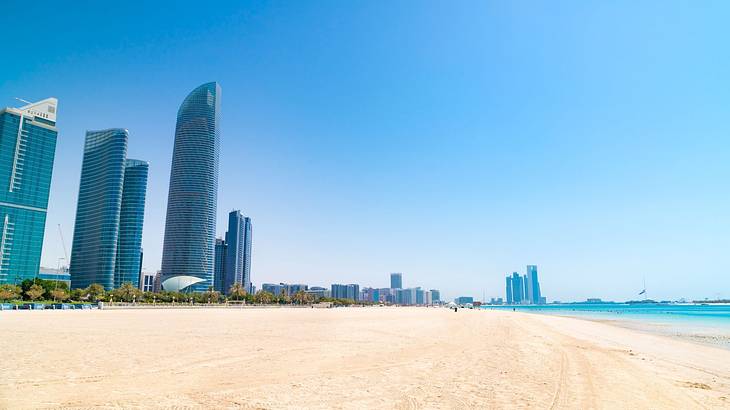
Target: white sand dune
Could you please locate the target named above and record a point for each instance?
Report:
(403, 358)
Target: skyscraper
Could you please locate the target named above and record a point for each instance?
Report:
(509, 290)
(534, 285)
(27, 149)
(128, 265)
(517, 288)
(96, 230)
(525, 295)
(247, 242)
(238, 251)
(219, 268)
(188, 251)
(396, 281)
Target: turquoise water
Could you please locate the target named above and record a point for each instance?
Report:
(703, 323)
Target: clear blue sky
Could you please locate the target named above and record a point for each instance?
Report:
(452, 141)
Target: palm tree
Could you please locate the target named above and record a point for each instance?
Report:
(210, 295)
(236, 291)
(302, 297)
(264, 297)
(127, 292)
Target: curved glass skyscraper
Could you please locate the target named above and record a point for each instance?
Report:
(131, 219)
(188, 251)
(96, 231)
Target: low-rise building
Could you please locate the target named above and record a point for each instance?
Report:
(463, 300)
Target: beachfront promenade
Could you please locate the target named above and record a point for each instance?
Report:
(374, 357)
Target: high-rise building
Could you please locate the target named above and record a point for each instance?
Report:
(219, 267)
(27, 149)
(509, 290)
(353, 292)
(247, 241)
(517, 289)
(232, 263)
(188, 253)
(435, 295)
(96, 230)
(420, 297)
(128, 266)
(238, 251)
(525, 296)
(533, 285)
(396, 280)
(350, 291)
(338, 291)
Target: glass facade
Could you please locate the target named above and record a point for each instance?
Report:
(219, 269)
(533, 287)
(128, 266)
(237, 267)
(96, 230)
(188, 249)
(396, 281)
(27, 149)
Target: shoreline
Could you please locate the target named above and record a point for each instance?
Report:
(704, 330)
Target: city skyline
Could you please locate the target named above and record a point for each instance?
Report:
(529, 142)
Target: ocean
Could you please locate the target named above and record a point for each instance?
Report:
(700, 323)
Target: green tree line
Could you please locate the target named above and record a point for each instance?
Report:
(40, 290)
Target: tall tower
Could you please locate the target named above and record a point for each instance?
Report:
(131, 221)
(27, 149)
(188, 251)
(518, 292)
(509, 290)
(396, 281)
(219, 267)
(237, 265)
(534, 284)
(96, 230)
(247, 254)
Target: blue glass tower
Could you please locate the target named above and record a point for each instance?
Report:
(188, 250)
(396, 280)
(131, 220)
(533, 285)
(509, 290)
(219, 269)
(518, 292)
(96, 230)
(27, 149)
(234, 253)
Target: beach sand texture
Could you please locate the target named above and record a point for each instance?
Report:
(349, 358)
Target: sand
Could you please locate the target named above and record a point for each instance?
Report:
(349, 358)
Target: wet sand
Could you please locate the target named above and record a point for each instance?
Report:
(350, 358)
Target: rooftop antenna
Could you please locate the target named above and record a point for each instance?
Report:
(23, 101)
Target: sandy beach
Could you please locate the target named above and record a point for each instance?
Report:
(349, 358)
